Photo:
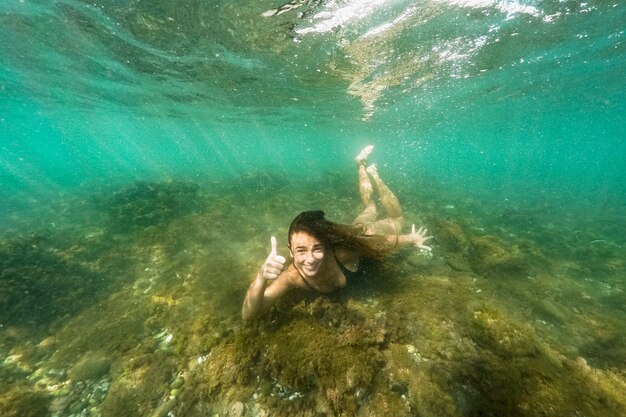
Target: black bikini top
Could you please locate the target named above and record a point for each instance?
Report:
(346, 273)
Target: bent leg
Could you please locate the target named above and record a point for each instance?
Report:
(385, 227)
(366, 190)
(395, 215)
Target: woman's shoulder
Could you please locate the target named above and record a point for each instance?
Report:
(289, 277)
(285, 281)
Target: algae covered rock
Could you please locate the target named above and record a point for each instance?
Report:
(483, 254)
(23, 402)
(449, 234)
(410, 375)
(309, 362)
(40, 281)
(139, 386)
(490, 255)
(145, 204)
(91, 365)
(454, 241)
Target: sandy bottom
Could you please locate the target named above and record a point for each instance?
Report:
(125, 301)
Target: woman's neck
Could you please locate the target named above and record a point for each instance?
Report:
(328, 278)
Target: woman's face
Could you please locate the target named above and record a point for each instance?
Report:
(308, 253)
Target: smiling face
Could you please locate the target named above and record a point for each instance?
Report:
(308, 253)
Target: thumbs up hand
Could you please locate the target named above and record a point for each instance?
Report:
(274, 264)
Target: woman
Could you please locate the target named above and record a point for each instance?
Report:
(324, 253)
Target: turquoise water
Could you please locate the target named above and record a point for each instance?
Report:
(149, 148)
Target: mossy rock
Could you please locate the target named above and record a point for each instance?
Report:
(491, 330)
(91, 365)
(489, 255)
(40, 282)
(24, 402)
(140, 386)
(145, 204)
(324, 358)
(120, 330)
(411, 377)
(449, 234)
(608, 352)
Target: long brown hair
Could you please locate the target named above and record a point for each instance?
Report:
(333, 235)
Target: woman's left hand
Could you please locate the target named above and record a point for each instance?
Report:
(419, 238)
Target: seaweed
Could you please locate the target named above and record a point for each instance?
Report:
(40, 282)
(20, 401)
(607, 352)
(144, 204)
(153, 327)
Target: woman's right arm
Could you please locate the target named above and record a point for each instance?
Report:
(260, 295)
(253, 303)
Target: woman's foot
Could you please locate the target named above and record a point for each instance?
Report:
(372, 170)
(361, 158)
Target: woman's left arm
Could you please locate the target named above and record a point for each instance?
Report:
(417, 238)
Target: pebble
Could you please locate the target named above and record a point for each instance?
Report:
(237, 409)
(56, 373)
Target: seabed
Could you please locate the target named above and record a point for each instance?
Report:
(124, 301)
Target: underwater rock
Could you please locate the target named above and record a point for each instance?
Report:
(310, 361)
(516, 374)
(606, 352)
(483, 254)
(92, 365)
(145, 204)
(523, 219)
(551, 311)
(492, 330)
(123, 399)
(237, 410)
(454, 241)
(491, 256)
(41, 282)
(24, 402)
(458, 262)
(449, 234)
(139, 385)
(411, 377)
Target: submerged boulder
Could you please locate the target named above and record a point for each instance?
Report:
(41, 281)
(489, 255)
(449, 234)
(24, 402)
(145, 204)
(91, 365)
(485, 254)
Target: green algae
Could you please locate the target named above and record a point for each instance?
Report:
(606, 351)
(446, 335)
(491, 256)
(92, 365)
(138, 385)
(145, 204)
(21, 401)
(41, 282)
(482, 253)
